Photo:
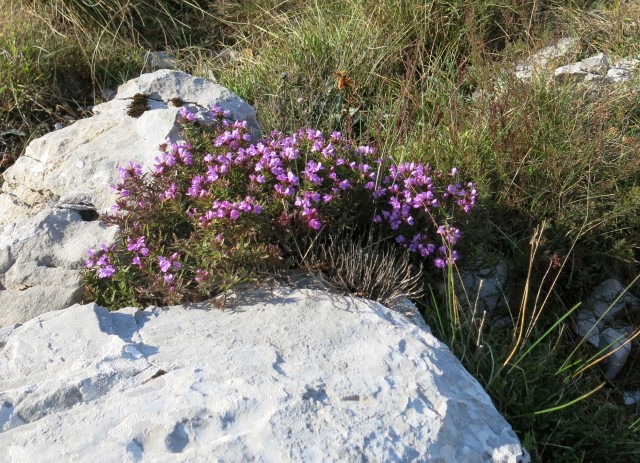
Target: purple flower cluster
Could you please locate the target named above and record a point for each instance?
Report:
(227, 210)
(103, 264)
(138, 248)
(166, 267)
(410, 190)
(173, 153)
(300, 177)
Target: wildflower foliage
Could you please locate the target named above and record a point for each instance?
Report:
(217, 209)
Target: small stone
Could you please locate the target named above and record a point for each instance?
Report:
(631, 398)
(607, 299)
(160, 60)
(484, 289)
(133, 352)
(616, 343)
(618, 74)
(538, 64)
(524, 74)
(627, 63)
(570, 73)
(587, 325)
(594, 78)
(597, 64)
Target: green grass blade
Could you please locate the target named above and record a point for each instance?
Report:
(546, 333)
(572, 402)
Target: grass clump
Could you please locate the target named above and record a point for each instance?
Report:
(139, 105)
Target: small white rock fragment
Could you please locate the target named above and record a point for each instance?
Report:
(616, 343)
(570, 73)
(597, 64)
(133, 352)
(618, 74)
(631, 398)
(588, 326)
(605, 301)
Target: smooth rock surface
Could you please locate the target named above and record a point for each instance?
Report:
(278, 376)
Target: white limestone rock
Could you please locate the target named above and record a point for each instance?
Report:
(618, 74)
(597, 64)
(631, 398)
(594, 322)
(40, 260)
(83, 158)
(570, 73)
(484, 289)
(588, 326)
(609, 298)
(289, 375)
(52, 194)
(563, 48)
(536, 65)
(595, 78)
(616, 345)
(630, 64)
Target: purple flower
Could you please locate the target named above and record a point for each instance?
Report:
(345, 184)
(201, 275)
(169, 193)
(315, 224)
(186, 115)
(136, 245)
(124, 173)
(106, 272)
(165, 264)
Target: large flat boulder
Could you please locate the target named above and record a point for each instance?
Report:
(280, 375)
(51, 196)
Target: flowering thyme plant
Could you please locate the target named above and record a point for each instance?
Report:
(217, 208)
